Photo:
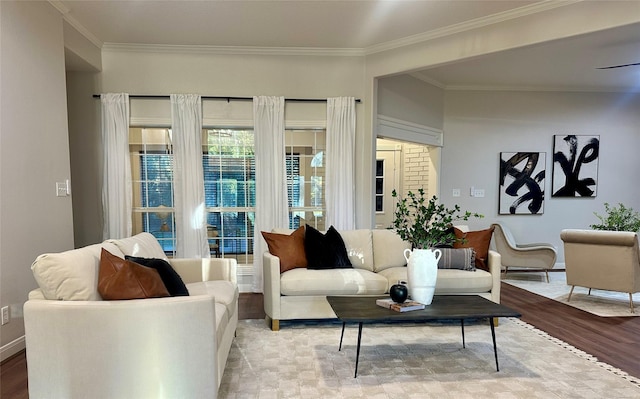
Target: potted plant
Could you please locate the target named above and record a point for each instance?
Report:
(425, 224)
(618, 218)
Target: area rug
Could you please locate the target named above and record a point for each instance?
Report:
(408, 361)
(600, 302)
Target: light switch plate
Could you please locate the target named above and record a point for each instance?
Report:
(61, 189)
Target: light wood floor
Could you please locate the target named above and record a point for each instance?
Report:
(613, 340)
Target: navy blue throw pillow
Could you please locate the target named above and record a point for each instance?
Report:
(169, 276)
(325, 251)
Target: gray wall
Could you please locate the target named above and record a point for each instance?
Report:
(480, 125)
(86, 157)
(412, 100)
(34, 153)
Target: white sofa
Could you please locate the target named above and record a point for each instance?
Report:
(378, 263)
(80, 346)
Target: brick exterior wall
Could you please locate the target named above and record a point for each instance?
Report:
(416, 168)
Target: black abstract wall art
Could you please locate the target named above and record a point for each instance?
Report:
(522, 176)
(575, 165)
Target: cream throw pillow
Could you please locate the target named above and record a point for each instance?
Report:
(71, 275)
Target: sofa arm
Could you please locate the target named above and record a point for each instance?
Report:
(163, 347)
(271, 274)
(495, 268)
(196, 270)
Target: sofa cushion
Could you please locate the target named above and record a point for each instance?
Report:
(305, 282)
(71, 275)
(478, 240)
(461, 258)
(169, 276)
(123, 279)
(450, 281)
(143, 245)
(359, 246)
(289, 248)
(388, 249)
(224, 292)
(325, 251)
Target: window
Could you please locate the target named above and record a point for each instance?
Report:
(380, 185)
(229, 181)
(229, 186)
(305, 177)
(152, 175)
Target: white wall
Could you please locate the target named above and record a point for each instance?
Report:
(34, 153)
(480, 125)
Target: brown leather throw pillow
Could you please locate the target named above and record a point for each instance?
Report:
(479, 241)
(289, 248)
(122, 279)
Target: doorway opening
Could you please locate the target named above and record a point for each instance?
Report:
(402, 166)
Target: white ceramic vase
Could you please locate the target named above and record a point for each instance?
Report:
(422, 272)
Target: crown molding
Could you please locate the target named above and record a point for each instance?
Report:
(544, 89)
(310, 51)
(469, 25)
(233, 50)
(64, 10)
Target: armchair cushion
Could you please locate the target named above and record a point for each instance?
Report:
(169, 276)
(478, 240)
(122, 279)
(289, 248)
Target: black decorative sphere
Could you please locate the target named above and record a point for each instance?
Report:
(399, 292)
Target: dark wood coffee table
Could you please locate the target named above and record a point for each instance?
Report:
(361, 310)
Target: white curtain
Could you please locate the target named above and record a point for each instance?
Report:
(188, 180)
(116, 184)
(339, 189)
(271, 181)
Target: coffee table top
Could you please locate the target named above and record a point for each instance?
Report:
(363, 309)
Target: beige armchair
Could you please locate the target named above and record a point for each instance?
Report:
(606, 260)
(531, 256)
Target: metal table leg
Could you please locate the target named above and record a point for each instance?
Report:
(358, 349)
(341, 336)
(462, 325)
(493, 336)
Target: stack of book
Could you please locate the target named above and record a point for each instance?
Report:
(399, 307)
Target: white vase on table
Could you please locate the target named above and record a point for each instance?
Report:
(422, 273)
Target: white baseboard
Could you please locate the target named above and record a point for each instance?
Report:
(13, 347)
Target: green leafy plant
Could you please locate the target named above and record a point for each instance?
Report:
(618, 218)
(426, 224)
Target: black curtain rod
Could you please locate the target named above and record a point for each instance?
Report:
(161, 96)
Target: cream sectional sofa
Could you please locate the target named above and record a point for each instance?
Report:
(81, 346)
(378, 263)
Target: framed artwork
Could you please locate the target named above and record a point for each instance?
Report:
(575, 165)
(522, 176)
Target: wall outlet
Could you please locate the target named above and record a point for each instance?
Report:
(456, 192)
(5, 315)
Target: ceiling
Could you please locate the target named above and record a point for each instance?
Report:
(362, 27)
